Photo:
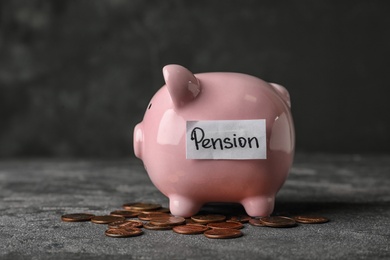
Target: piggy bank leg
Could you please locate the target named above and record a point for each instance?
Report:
(260, 206)
(182, 206)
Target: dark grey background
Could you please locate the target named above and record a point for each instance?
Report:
(76, 76)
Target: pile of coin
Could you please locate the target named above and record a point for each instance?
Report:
(130, 220)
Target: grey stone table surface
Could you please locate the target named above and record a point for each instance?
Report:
(353, 191)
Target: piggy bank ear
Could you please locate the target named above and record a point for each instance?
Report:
(283, 93)
(182, 85)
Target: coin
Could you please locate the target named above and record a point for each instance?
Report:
(163, 210)
(232, 225)
(190, 229)
(310, 219)
(168, 221)
(189, 221)
(222, 233)
(141, 206)
(256, 222)
(239, 218)
(208, 218)
(126, 223)
(105, 219)
(124, 213)
(77, 217)
(128, 232)
(154, 227)
(278, 221)
(151, 215)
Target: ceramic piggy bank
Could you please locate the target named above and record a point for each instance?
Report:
(217, 137)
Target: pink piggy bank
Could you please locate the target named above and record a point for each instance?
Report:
(217, 137)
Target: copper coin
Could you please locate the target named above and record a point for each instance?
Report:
(126, 223)
(256, 222)
(189, 221)
(141, 206)
(232, 225)
(124, 213)
(190, 229)
(77, 217)
(278, 221)
(154, 227)
(239, 218)
(128, 232)
(105, 219)
(208, 218)
(152, 215)
(223, 233)
(163, 210)
(310, 219)
(168, 221)
(118, 222)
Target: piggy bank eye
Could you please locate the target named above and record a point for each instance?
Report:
(150, 105)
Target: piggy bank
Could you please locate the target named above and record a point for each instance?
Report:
(217, 137)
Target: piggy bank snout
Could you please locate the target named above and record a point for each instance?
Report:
(138, 140)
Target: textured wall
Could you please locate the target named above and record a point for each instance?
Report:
(76, 76)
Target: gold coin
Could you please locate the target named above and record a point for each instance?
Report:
(232, 225)
(310, 219)
(208, 218)
(152, 215)
(154, 227)
(77, 217)
(126, 223)
(223, 233)
(105, 219)
(168, 221)
(124, 213)
(119, 232)
(256, 222)
(141, 206)
(278, 221)
(190, 229)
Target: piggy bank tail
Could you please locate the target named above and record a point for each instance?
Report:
(282, 92)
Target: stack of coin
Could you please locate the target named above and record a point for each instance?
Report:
(164, 222)
(152, 216)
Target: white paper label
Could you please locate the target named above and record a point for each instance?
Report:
(226, 139)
